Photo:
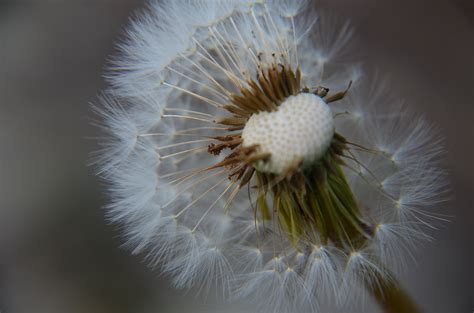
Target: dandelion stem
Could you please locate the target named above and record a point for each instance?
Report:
(392, 298)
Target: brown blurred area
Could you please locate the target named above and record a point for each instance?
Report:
(58, 254)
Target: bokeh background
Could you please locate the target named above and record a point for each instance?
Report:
(58, 254)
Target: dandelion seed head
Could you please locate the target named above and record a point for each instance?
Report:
(244, 151)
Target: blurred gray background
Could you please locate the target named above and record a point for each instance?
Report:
(57, 254)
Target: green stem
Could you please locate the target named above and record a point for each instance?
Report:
(392, 298)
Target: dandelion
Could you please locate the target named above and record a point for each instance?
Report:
(245, 152)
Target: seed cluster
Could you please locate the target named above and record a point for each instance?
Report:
(283, 136)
